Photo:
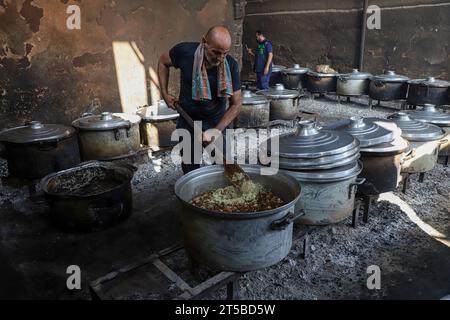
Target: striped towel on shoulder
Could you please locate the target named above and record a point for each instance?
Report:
(200, 84)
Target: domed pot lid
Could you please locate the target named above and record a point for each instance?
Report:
(296, 69)
(414, 130)
(367, 132)
(35, 131)
(279, 92)
(355, 75)
(277, 68)
(430, 114)
(159, 112)
(397, 146)
(249, 98)
(431, 82)
(310, 142)
(344, 172)
(106, 121)
(390, 76)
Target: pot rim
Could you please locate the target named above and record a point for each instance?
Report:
(251, 170)
(87, 164)
(353, 172)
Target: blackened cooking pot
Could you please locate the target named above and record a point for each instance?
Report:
(388, 86)
(321, 82)
(37, 149)
(91, 196)
(428, 91)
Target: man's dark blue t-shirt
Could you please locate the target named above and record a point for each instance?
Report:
(182, 56)
(262, 54)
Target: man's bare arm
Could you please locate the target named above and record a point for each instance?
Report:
(232, 112)
(164, 65)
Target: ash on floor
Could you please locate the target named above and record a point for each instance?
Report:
(407, 237)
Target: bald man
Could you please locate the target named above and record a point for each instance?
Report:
(208, 106)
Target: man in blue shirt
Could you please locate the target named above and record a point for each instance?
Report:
(263, 60)
(203, 100)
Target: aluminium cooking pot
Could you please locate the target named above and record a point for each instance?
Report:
(284, 103)
(294, 78)
(255, 111)
(108, 136)
(388, 86)
(353, 84)
(428, 91)
(424, 140)
(321, 82)
(91, 196)
(37, 149)
(158, 123)
(236, 241)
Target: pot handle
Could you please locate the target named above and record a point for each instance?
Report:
(296, 101)
(342, 79)
(408, 155)
(443, 141)
(284, 222)
(354, 185)
(378, 83)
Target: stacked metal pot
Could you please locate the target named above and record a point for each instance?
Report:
(428, 91)
(37, 149)
(325, 164)
(382, 149)
(318, 82)
(255, 111)
(388, 86)
(108, 136)
(425, 140)
(431, 115)
(294, 78)
(353, 84)
(284, 103)
(158, 123)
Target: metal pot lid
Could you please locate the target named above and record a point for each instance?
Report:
(345, 172)
(279, 92)
(277, 68)
(431, 82)
(398, 145)
(321, 75)
(430, 114)
(309, 142)
(159, 112)
(35, 131)
(355, 75)
(106, 121)
(296, 69)
(249, 98)
(389, 76)
(367, 132)
(414, 130)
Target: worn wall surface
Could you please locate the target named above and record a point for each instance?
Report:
(413, 39)
(53, 74)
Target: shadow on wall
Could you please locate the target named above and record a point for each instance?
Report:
(132, 77)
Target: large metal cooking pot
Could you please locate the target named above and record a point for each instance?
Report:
(236, 241)
(321, 82)
(388, 86)
(428, 91)
(324, 162)
(91, 196)
(158, 123)
(431, 115)
(424, 140)
(327, 196)
(37, 149)
(276, 76)
(108, 136)
(353, 84)
(284, 103)
(255, 111)
(294, 78)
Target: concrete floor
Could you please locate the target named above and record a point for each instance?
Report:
(34, 254)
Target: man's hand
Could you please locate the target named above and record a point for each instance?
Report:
(170, 101)
(266, 70)
(250, 51)
(207, 137)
